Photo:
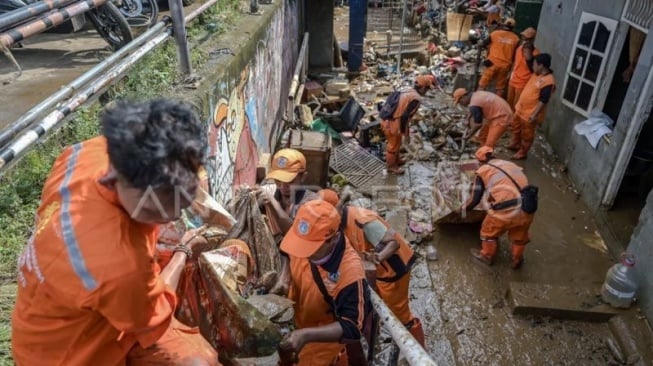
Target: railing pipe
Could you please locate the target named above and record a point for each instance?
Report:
(31, 136)
(48, 21)
(26, 119)
(412, 351)
(20, 15)
(179, 26)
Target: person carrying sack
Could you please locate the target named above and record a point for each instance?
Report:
(511, 204)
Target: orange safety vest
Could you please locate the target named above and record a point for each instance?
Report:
(530, 96)
(502, 47)
(390, 270)
(521, 73)
(405, 98)
(493, 106)
(311, 309)
(499, 188)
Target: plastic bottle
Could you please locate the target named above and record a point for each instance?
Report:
(431, 253)
(620, 284)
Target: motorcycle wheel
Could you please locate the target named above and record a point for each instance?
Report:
(111, 25)
(140, 13)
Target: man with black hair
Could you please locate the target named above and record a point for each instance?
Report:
(90, 290)
(531, 106)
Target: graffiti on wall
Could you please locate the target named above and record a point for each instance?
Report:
(246, 111)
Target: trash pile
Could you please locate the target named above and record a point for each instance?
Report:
(225, 289)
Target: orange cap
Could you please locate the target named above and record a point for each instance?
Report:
(329, 195)
(316, 222)
(286, 164)
(458, 93)
(510, 22)
(484, 153)
(529, 33)
(425, 81)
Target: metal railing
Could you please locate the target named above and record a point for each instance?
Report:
(29, 129)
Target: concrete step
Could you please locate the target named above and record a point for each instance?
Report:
(562, 302)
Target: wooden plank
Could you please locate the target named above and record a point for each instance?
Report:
(562, 302)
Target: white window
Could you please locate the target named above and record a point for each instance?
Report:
(587, 62)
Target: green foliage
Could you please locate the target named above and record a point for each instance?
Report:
(20, 188)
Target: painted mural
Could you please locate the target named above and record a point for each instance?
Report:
(246, 110)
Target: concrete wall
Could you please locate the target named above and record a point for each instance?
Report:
(243, 96)
(590, 169)
(642, 247)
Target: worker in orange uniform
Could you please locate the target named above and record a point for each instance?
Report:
(328, 287)
(499, 179)
(522, 65)
(374, 239)
(502, 44)
(397, 127)
(90, 291)
(488, 112)
(288, 170)
(531, 107)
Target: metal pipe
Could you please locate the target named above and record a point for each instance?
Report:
(26, 119)
(195, 13)
(401, 36)
(29, 11)
(179, 26)
(298, 67)
(44, 23)
(413, 351)
(51, 120)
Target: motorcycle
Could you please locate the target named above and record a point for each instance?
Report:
(20, 19)
(139, 13)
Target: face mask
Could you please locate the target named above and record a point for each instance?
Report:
(322, 261)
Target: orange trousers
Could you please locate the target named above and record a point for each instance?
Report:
(395, 295)
(391, 130)
(498, 74)
(323, 354)
(513, 95)
(179, 345)
(517, 227)
(523, 133)
(491, 132)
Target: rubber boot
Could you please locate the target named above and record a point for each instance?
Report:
(391, 164)
(401, 161)
(517, 256)
(514, 144)
(415, 328)
(487, 252)
(523, 151)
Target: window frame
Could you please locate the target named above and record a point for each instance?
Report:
(612, 26)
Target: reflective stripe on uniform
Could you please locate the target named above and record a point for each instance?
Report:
(68, 231)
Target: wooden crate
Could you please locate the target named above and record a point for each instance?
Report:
(316, 147)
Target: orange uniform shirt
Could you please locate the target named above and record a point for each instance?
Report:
(500, 188)
(409, 102)
(395, 267)
(502, 47)
(493, 106)
(530, 96)
(346, 285)
(88, 283)
(520, 72)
